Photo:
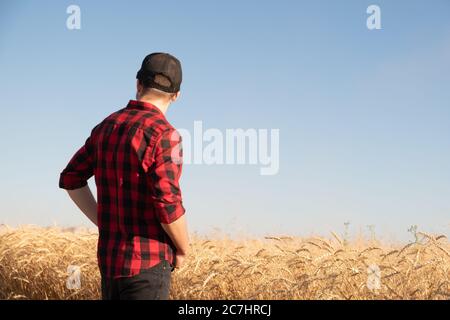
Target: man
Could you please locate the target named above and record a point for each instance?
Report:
(135, 156)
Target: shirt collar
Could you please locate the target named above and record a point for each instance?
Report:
(142, 105)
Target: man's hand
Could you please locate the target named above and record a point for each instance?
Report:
(179, 260)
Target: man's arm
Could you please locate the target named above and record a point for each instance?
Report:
(166, 193)
(74, 179)
(178, 233)
(85, 201)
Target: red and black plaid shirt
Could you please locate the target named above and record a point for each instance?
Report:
(135, 156)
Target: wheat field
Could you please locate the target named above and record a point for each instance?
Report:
(34, 262)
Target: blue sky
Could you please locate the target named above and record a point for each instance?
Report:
(364, 116)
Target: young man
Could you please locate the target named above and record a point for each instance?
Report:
(135, 156)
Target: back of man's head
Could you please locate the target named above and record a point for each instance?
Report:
(160, 73)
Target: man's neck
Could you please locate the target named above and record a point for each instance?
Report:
(160, 104)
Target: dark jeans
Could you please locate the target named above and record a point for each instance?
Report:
(150, 284)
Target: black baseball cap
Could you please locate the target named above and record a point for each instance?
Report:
(164, 64)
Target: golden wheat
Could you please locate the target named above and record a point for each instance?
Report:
(34, 262)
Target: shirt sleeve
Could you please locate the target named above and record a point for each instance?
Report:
(165, 174)
(79, 169)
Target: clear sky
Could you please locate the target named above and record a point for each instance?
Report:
(364, 115)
